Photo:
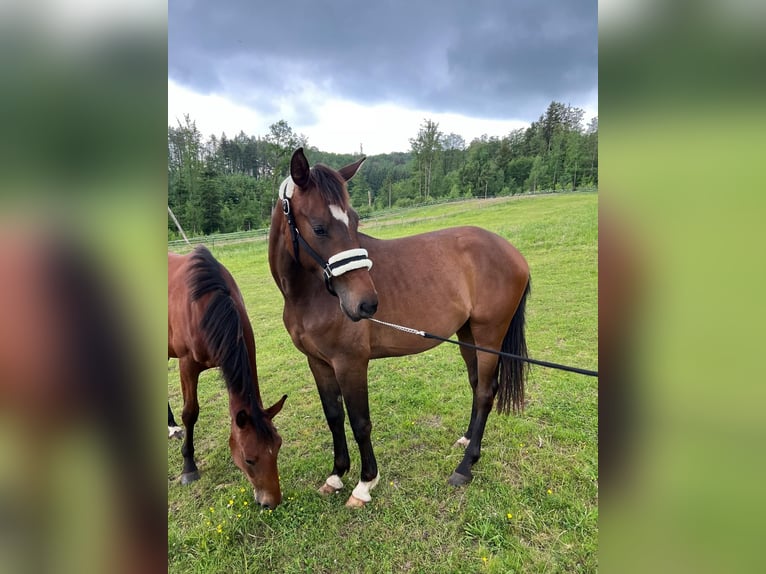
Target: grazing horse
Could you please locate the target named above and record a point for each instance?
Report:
(463, 280)
(208, 327)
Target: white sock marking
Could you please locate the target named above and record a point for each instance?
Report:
(362, 489)
(334, 481)
(339, 214)
(462, 441)
(174, 431)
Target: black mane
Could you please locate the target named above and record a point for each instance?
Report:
(222, 328)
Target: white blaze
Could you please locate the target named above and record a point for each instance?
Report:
(339, 214)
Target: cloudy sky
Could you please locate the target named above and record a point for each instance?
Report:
(349, 73)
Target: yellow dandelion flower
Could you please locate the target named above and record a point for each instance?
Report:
(231, 503)
(239, 515)
(242, 489)
(550, 491)
(509, 515)
(212, 510)
(484, 559)
(244, 503)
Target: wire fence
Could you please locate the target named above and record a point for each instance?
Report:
(254, 234)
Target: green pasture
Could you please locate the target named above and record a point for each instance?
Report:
(533, 503)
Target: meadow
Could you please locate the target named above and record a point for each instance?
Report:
(533, 502)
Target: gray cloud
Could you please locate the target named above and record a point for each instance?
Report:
(501, 59)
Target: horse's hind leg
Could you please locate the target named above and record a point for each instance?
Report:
(332, 404)
(469, 357)
(174, 431)
(189, 377)
(483, 398)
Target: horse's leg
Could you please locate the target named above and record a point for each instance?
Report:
(353, 382)
(469, 357)
(189, 377)
(174, 431)
(484, 395)
(332, 404)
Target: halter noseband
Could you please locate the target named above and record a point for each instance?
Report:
(339, 263)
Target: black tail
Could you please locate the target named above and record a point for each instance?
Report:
(513, 372)
(221, 324)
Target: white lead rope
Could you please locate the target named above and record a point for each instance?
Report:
(398, 327)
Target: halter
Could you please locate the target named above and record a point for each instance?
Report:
(339, 263)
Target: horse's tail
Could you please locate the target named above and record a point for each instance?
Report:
(222, 325)
(513, 372)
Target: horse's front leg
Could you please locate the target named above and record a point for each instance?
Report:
(189, 378)
(332, 404)
(353, 383)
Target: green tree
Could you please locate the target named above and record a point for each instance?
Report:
(426, 148)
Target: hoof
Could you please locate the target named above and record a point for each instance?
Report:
(189, 477)
(326, 489)
(354, 502)
(458, 479)
(175, 432)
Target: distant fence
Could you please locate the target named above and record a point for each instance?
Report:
(180, 244)
(174, 244)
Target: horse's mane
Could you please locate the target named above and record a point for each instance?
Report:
(330, 185)
(221, 326)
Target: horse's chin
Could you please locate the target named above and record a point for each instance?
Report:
(353, 317)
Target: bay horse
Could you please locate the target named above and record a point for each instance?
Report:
(208, 327)
(462, 280)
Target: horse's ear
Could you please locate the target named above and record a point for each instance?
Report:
(242, 418)
(272, 411)
(299, 168)
(350, 170)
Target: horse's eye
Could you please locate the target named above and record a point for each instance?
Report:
(320, 231)
(249, 462)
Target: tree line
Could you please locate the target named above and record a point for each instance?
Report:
(221, 185)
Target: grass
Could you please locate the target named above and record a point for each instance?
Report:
(533, 503)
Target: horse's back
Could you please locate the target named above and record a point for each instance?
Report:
(449, 258)
(438, 281)
(181, 314)
(185, 314)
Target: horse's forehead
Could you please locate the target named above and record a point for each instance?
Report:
(339, 213)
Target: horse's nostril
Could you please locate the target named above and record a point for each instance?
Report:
(367, 309)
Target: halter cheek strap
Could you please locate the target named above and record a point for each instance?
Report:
(339, 263)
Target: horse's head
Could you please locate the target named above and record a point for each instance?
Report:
(255, 444)
(316, 204)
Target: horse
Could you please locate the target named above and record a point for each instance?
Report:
(208, 327)
(462, 280)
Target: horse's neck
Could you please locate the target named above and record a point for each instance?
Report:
(252, 389)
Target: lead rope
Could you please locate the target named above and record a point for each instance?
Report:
(426, 335)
